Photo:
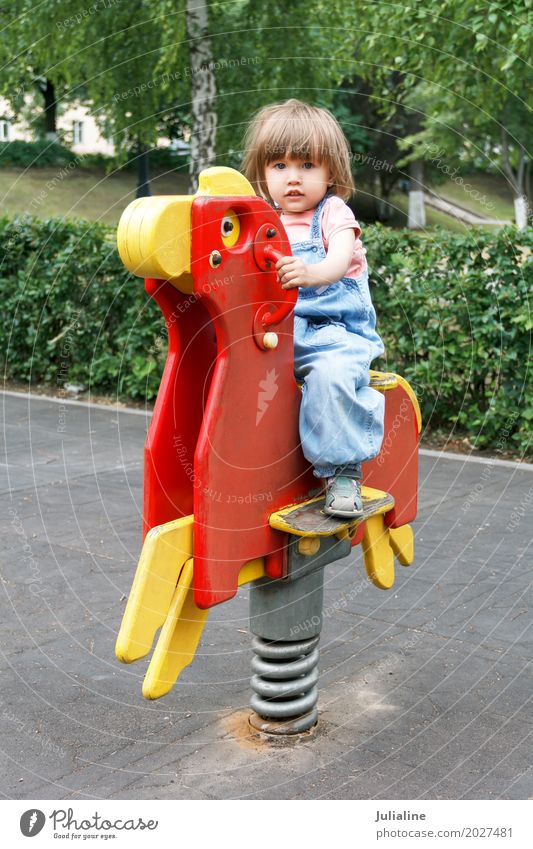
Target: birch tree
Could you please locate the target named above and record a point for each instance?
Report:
(203, 90)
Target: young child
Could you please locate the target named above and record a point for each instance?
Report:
(297, 158)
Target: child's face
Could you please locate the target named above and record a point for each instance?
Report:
(297, 185)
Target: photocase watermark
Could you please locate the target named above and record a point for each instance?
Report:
(51, 184)
(474, 494)
(34, 580)
(329, 610)
(187, 73)
(65, 824)
(62, 373)
(370, 159)
(32, 822)
(74, 20)
(519, 512)
(268, 388)
(65, 819)
(435, 155)
(401, 416)
(209, 491)
(44, 741)
(324, 152)
(183, 306)
(17, 228)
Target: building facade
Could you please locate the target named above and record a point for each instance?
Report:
(75, 125)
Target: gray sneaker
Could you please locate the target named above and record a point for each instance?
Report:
(343, 498)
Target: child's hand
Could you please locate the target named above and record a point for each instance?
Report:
(292, 272)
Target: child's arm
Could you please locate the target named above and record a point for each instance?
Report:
(293, 272)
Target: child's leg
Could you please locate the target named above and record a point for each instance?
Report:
(341, 417)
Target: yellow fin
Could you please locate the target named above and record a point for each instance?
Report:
(178, 639)
(378, 554)
(166, 548)
(403, 544)
(182, 630)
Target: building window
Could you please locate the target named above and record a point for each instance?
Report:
(5, 130)
(77, 132)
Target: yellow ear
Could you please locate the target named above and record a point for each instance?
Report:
(154, 238)
(223, 181)
(154, 233)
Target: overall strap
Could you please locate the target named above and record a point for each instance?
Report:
(315, 231)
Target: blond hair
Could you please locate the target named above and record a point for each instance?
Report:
(300, 131)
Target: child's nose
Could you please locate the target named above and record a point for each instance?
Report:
(294, 175)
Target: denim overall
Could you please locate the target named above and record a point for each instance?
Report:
(335, 340)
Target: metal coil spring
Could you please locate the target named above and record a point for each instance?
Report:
(285, 685)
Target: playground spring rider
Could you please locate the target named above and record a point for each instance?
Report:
(229, 498)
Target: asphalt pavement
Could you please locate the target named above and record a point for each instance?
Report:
(425, 689)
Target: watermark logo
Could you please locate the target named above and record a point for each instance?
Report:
(32, 822)
(65, 820)
(267, 391)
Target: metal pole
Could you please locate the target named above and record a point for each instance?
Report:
(286, 619)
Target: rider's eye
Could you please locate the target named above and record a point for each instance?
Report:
(308, 165)
(280, 166)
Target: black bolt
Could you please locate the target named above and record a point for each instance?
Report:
(215, 258)
(270, 233)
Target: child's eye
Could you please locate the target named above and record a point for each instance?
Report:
(280, 166)
(308, 165)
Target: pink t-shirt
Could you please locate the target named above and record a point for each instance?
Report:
(336, 216)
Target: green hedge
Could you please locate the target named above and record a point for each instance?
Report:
(73, 314)
(454, 311)
(46, 154)
(34, 154)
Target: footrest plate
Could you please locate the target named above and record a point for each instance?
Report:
(308, 519)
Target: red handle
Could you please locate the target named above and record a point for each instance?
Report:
(272, 255)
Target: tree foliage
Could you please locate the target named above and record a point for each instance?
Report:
(31, 77)
(465, 69)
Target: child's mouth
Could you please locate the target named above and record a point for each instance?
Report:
(294, 195)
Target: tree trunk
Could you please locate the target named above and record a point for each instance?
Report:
(143, 172)
(416, 218)
(517, 180)
(383, 209)
(521, 212)
(203, 90)
(47, 89)
(527, 184)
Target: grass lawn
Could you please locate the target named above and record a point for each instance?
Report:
(434, 218)
(493, 199)
(78, 193)
(97, 196)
